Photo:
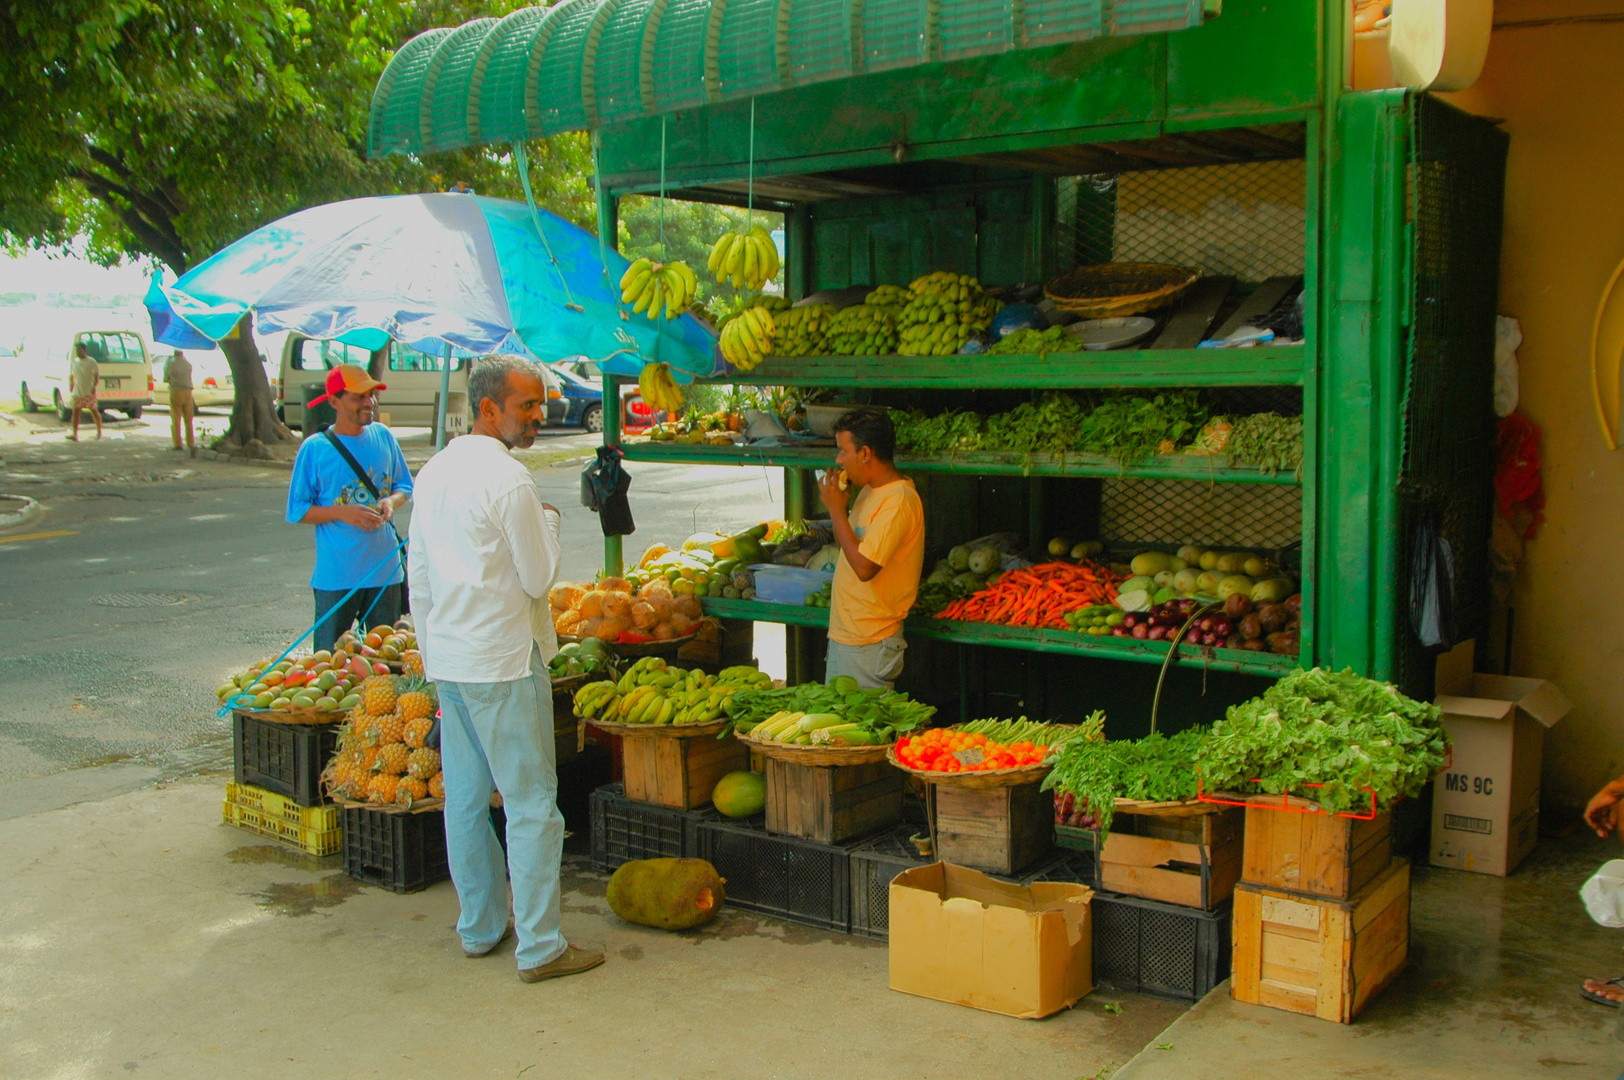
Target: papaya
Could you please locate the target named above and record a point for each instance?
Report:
(668, 894)
(740, 794)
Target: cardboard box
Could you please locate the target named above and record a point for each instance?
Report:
(958, 935)
(1485, 805)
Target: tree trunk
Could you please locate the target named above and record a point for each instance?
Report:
(254, 426)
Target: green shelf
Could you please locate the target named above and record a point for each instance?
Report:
(1020, 637)
(1209, 469)
(1278, 365)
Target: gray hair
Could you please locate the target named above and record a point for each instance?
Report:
(489, 379)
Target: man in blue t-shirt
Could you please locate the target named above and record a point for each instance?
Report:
(355, 540)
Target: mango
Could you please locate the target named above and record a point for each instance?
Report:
(668, 894)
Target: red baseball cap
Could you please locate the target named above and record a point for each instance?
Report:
(349, 377)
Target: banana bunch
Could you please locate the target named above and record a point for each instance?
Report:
(800, 331)
(652, 692)
(773, 304)
(659, 389)
(861, 330)
(748, 339)
(658, 288)
(595, 698)
(748, 260)
(945, 311)
(888, 296)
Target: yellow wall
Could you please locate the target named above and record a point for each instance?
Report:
(1560, 89)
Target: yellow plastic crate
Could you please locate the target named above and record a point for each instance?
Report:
(310, 841)
(281, 808)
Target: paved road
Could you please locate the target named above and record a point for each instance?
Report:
(149, 577)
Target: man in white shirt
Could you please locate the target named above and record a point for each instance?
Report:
(83, 375)
(484, 552)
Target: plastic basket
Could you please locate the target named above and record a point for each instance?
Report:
(788, 584)
(399, 852)
(801, 881)
(282, 808)
(623, 830)
(873, 864)
(310, 841)
(283, 758)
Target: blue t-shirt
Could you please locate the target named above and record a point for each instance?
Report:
(347, 557)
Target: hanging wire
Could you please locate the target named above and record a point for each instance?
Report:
(597, 191)
(522, 159)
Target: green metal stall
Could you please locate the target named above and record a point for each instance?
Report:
(1012, 141)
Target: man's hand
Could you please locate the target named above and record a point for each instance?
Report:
(362, 517)
(385, 510)
(829, 491)
(550, 506)
(1602, 812)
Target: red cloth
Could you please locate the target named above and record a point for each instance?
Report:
(1517, 486)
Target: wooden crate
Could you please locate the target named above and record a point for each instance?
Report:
(1190, 856)
(831, 803)
(999, 830)
(1313, 853)
(678, 773)
(1318, 957)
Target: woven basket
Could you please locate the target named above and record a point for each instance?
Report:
(571, 683)
(795, 754)
(640, 649)
(1115, 289)
(1181, 808)
(661, 731)
(980, 780)
(421, 806)
(301, 717)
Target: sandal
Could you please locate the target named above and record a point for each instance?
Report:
(1603, 999)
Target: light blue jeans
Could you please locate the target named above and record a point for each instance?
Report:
(499, 737)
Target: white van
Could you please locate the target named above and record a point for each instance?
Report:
(412, 378)
(126, 375)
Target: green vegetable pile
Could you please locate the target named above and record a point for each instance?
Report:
(1157, 768)
(1039, 342)
(933, 596)
(1036, 732)
(1132, 427)
(887, 713)
(1268, 440)
(1333, 728)
(940, 434)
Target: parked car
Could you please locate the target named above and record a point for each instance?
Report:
(583, 397)
(126, 374)
(635, 414)
(211, 380)
(412, 378)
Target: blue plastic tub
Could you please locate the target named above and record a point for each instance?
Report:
(788, 584)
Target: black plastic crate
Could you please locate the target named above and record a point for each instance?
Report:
(798, 880)
(623, 830)
(399, 852)
(873, 864)
(284, 758)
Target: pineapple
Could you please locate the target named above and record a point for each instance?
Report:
(423, 763)
(413, 662)
(382, 788)
(350, 781)
(378, 694)
(362, 757)
(387, 729)
(392, 759)
(437, 786)
(417, 731)
(410, 790)
(415, 700)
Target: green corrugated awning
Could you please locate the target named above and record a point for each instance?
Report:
(582, 64)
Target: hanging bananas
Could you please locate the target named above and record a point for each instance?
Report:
(748, 338)
(659, 389)
(746, 260)
(658, 288)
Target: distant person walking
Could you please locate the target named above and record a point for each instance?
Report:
(484, 554)
(83, 376)
(182, 405)
(348, 481)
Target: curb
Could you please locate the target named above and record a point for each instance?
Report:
(238, 459)
(30, 508)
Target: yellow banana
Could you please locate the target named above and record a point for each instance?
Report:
(718, 254)
(752, 253)
(735, 254)
(630, 276)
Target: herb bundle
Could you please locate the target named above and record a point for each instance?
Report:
(1268, 440)
(1157, 768)
(1131, 427)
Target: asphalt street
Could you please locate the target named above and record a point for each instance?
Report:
(148, 577)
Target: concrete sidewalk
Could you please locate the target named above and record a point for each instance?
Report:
(140, 936)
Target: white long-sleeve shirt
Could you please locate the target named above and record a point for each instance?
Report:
(483, 553)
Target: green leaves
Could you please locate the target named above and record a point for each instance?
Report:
(888, 713)
(1124, 426)
(1157, 768)
(1268, 440)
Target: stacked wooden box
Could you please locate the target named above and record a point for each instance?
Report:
(1322, 912)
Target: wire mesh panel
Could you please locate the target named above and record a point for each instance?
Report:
(496, 93)
(618, 65)
(1154, 16)
(820, 40)
(1246, 220)
(396, 118)
(557, 101)
(1050, 22)
(747, 48)
(1174, 512)
(896, 33)
(975, 27)
(444, 99)
(677, 70)
(1457, 190)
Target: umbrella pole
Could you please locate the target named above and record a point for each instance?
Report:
(445, 392)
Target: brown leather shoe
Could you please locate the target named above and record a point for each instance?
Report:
(475, 954)
(574, 961)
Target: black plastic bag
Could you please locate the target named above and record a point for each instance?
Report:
(1432, 583)
(603, 491)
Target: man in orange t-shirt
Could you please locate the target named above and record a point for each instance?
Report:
(882, 549)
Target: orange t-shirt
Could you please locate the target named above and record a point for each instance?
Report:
(890, 525)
